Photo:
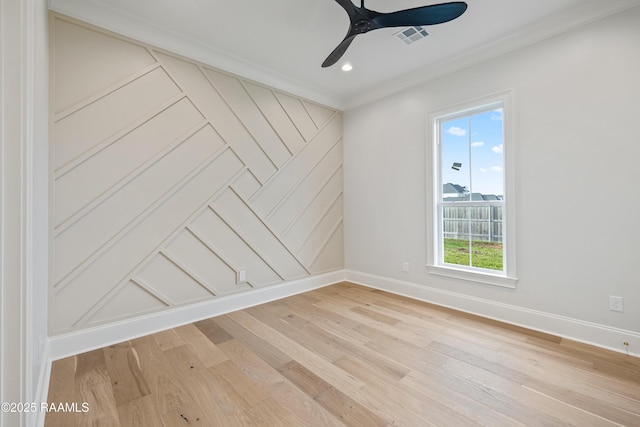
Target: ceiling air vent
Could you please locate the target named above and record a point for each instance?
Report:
(411, 34)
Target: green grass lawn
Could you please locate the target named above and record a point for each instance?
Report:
(485, 254)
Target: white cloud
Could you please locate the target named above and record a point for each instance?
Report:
(496, 168)
(497, 149)
(482, 170)
(455, 130)
(497, 114)
(477, 144)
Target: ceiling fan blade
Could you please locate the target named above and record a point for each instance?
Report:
(338, 51)
(425, 15)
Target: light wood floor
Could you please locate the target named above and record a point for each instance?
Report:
(348, 355)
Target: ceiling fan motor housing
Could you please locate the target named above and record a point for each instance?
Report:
(362, 26)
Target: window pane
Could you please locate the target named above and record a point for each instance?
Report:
(472, 163)
(486, 236)
(456, 177)
(487, 162)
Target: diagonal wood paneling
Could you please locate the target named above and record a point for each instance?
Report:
(170, 177)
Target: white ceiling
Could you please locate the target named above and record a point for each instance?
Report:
(283, 42)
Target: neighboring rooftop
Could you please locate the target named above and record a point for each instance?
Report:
(463, 195)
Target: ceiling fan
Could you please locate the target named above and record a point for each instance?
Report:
(364, 20)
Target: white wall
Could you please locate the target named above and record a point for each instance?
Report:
(170, 178)
(24, 207)
(576, 99)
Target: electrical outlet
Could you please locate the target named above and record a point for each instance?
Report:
(616, 303)
(242, 276)
(405, 267)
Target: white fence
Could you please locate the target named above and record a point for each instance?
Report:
(479, 220)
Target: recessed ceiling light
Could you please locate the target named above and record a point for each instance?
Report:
(347, 67)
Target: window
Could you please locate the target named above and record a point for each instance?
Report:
(471, 200)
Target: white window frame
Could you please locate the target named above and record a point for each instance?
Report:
(435, 265)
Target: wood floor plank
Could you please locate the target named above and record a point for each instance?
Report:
(347, 355)
(214, 402)
(503, 395)
(268, 352)
(468, 411)
(378, 317)
(168, 339)
(201, 345)
(93, 387)
(335, 401)
(269, 413)
(289, 325)
(250, 392)
(328, 320)
(248, 398)
(62, 390)
(171, 393)
(410, 355)
(622, 411)
(306, 410)
(383, 365)
(123, 365)
(426, 324)
(297, 351)
(501, 400)
(519, 376)
(404, 409)
(609, 390)
(140, 412)
(370, 328)
(213, 331)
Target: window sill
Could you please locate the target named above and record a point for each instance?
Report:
(473, 276)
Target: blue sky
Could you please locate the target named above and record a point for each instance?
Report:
(476, 142)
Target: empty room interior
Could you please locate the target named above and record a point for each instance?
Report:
(203, 223)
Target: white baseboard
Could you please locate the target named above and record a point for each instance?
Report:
(577, 330)
(73, 343)
(603, 336)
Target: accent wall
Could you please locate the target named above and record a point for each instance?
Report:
(175, 183)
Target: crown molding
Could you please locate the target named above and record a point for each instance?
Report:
(131, 27)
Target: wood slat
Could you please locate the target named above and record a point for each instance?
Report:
(305, 409)
(171, 394)
(335, 401)
(123, 365)
(156, 153)
(93, 387)
(62, 389)
(346, 355)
